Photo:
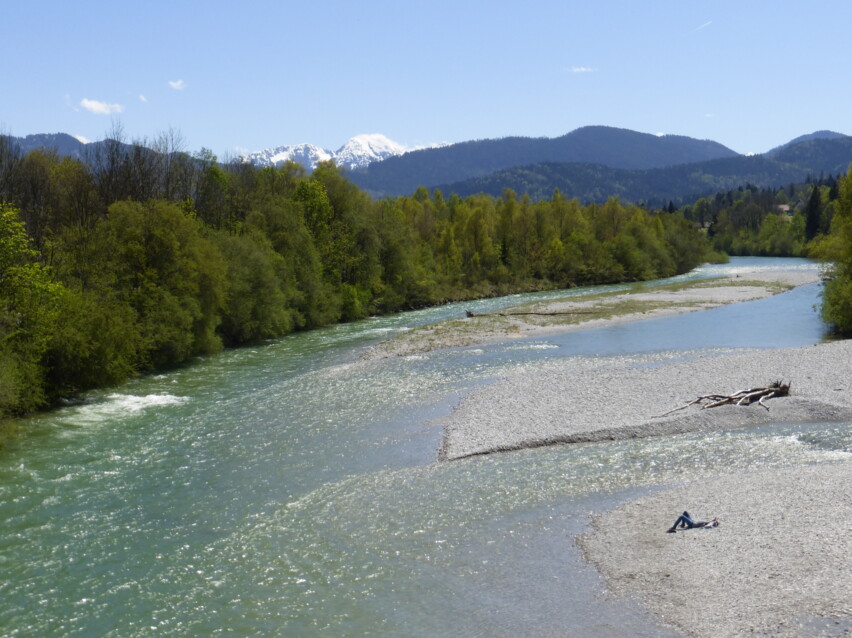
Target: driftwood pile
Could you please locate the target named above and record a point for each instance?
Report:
(743, 397)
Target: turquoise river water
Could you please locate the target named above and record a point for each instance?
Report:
(292, 489)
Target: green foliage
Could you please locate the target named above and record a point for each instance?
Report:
(28, 315)
(766, 222)
(97, 342)
(169, 274)
(252, 254)
(837, 249)
(259, 298)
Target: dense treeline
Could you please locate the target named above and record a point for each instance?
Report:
(807, 220)
(778, 222)
(136, 260)
(836, 247)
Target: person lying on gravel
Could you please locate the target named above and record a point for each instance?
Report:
(685, 521)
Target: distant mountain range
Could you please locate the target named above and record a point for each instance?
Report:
(819, 135)
(596, 162)
(612, 147)
(591, 163)
(64, 144)
(358, 153)
(794, 162)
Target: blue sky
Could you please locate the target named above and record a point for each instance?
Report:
(234, 76)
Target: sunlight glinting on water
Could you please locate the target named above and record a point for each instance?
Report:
(395, 533)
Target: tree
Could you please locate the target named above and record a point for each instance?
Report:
(109, 167)
(75, 202)
(28, 315)
(259, 301)
(34, 191)
(172, 277)
(702, 211)
(211, 195)
(837, 248)
(10, 160)
(813, 213)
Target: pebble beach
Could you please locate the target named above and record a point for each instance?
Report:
(778, 565)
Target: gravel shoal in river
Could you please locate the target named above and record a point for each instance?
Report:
(593, 399)
(777, 565)
(588, 311)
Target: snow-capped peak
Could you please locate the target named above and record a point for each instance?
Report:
(308, 155)
(363, 150)
(358, 152)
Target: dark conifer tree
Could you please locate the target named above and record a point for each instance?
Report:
(813, 212)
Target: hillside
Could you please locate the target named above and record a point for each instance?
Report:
(595, 182)
(829, 156)
(613, 147)
(816, 135)
(65, 145)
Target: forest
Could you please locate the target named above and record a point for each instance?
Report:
(589, 159)
(681, 183)
(143, 256)
(813, 220)
(768, 222)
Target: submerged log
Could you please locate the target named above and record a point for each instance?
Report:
(743, 397)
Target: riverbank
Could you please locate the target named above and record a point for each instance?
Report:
(607, 398)
(581, 311)
(602, 398)
(777, 565)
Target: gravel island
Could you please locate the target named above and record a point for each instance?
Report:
(778, 564)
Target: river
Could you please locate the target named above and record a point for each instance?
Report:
(292, 489)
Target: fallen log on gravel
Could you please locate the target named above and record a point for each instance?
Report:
(743, 397)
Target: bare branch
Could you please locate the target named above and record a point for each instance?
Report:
(743, 397)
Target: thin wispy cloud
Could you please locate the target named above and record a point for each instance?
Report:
(705, 25)
(177, 85)
(100, 108)
(582, 69)
(142, 98)
(70, 104)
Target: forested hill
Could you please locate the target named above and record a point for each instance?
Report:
(818, 135)
(594, 182)
(614, 147)
(65, 145)
(830, 156)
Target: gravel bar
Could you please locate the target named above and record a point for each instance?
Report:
(596, 399)
(778, 564)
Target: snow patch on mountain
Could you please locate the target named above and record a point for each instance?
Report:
(308, 155)
(363, 150)
(358, 152)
